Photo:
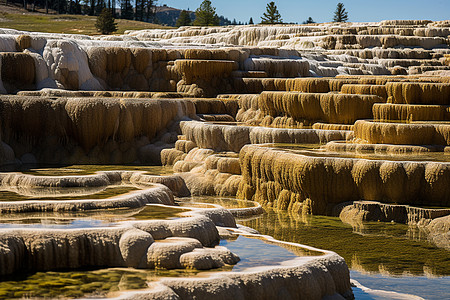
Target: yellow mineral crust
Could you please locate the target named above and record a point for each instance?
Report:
(317, 85)
(410, 112)
(86, 122)
(17, 70)
(191, 69)
(325, 126)
(233, 138)
(418, 93)
(365, 89)
(336, 146)
(331, 108)
(425, 133)
(315, 184)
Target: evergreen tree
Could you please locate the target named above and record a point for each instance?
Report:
(234, 22)
(340, 15)
(105, 22)
(149, 9)
(251, 21)
(126, 10)
(139, 10)
(92, 7)
(77, 7)
(309, 21)
(99, 7)
(271, 16)
(224, 21)
(184, 19)
(206, 15)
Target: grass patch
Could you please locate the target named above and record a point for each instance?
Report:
(69, 24)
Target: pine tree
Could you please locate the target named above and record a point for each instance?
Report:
(251, 21)
(105, 22)
(113, 8)
(126, 10)
(139, 10)
(184, 19)
(206, 15)
(309, 21)
(271, 16)
(92, 7)
(340, 15)
(149, 9)
(99, 7)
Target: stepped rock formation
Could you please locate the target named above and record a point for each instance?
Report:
(434, 222)
(136, 61)
(18, 71)
(233, 138)
(331, 108)
(418, 93)
(315, 184)
(158, 189)
(410, 112)
(130, 245)
(360, 211)
(87, 129)
(344, 119)
(187, 242)
(403, 134)
(318, 279)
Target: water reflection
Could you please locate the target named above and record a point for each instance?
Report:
(73, 170)
(226, 202)
(58, 224)
(75, 284)
(383, 247)
(382, 256)
(425, 287)
(255, 252)
(147, 212)
(16, 193)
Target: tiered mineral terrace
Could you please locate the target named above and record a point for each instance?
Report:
(239, 162)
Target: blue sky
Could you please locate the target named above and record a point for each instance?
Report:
(322, 10)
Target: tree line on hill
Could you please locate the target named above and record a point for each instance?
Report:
(146, 10)
(140, 10)
(206, 15)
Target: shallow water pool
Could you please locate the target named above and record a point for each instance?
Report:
(70, 170)
(391, 252)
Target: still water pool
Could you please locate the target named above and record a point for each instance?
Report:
(385, 256)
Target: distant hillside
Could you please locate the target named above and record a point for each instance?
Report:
(168, 16)
(15, 17)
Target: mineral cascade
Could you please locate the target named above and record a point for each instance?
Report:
(338, 119)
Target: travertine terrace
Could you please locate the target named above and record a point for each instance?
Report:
(349, 120)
